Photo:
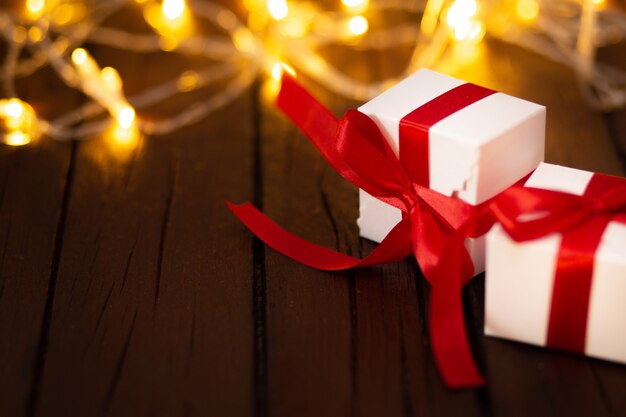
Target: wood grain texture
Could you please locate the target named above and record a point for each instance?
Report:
(308, 324)
(128, 289)
(153, 306)
(32, 212)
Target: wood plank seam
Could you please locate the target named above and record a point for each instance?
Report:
(42, 345)
(259, 289)
(164, 226)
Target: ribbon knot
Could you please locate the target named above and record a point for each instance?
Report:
(433, 226)
(582, 221)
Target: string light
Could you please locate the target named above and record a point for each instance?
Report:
(278, 9)
(173, 9)
(125, 116)
(461, 20)
(18, 123)
(358, 25)
(527, 10)
(35, 8)
(354, 3)
(275, 32)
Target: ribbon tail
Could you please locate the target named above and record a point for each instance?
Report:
(447, 276)
(395, 247)
(447, 330)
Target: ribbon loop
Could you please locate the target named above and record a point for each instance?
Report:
(582, 221)
(433, 227)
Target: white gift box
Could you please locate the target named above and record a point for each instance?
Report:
(475, 153)
(520, 278)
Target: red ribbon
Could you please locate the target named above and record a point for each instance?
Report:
(433, 227)
(415, 126)
(582, 221)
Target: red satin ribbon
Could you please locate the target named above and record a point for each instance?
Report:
(415, 127)
(433, 227)
(582, 221)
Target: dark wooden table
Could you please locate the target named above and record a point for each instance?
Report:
(128, 289)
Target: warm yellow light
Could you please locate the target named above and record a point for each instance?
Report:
(293, 28)
(111, 79)
(173, 9)
(122, 143)
(279, 68)
(244, 40)
(599, 2)
(35, 7)
(477, 32)
(79, 56)
(461, 12)
(35, 34)
(68, 13)
(188, 81)
(18, 122)
(126, 137)
(125, 117)
(168, 43)
(469, 31)
(253, 4)
(14, 108)
(278, 9)
(358, 25)
(527, 10)
(17, 138)
(353, 3)
(430, 18)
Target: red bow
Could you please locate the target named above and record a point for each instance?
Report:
(433, 226)
(530, 213)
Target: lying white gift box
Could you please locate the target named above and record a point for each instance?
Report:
(527, 297)
(456, 138)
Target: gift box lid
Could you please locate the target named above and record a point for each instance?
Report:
(575, 181)
(467, 149)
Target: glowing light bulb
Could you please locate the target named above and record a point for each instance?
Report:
(35, 34)
(17, 139)
(188, 81)
(35, 8)
(125, 116)
(461, 11)
(111, 79)
(278, 9)
(358, 25)
(14, 108)
(18, 122)
(527, 10)
(353, 3)
(279, 68)
(173, 9)
(79, 56)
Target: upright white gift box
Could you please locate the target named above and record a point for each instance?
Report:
(474, 153)
(520, 278)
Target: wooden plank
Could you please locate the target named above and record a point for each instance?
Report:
(308, 326)
(152, 314)
(32, 209)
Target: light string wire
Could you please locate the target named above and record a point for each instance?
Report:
(275, 36)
